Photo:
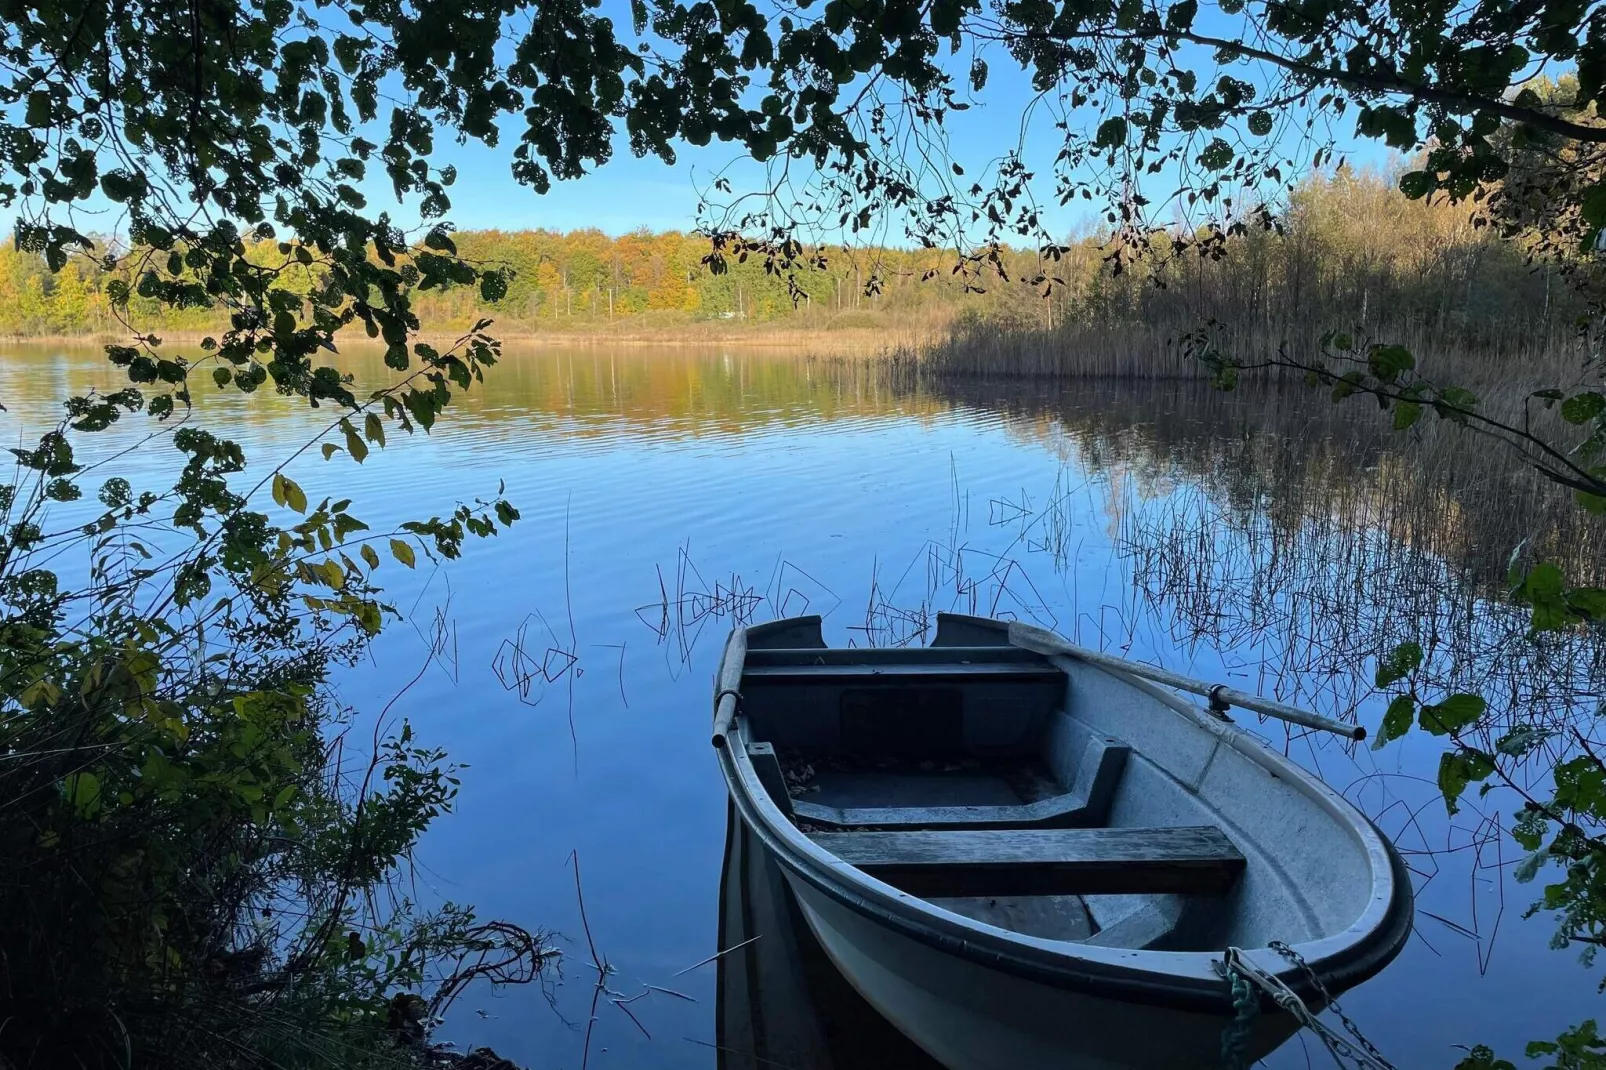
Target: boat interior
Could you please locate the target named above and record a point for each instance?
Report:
(1012, 788)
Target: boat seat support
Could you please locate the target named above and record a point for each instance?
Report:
(768, 768)
(1196, 860)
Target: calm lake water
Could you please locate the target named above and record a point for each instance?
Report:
(669, 494)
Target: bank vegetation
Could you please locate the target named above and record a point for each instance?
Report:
(1352, 255)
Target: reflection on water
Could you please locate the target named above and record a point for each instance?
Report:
(780, 1001)
(1273, 543)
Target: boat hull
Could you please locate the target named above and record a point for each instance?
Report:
(972, 1017)
(981, 984)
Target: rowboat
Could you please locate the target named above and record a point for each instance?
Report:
(1025, 854)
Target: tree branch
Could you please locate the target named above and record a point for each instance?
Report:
(1378, 82)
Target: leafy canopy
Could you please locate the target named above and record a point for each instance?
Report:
(219, 122)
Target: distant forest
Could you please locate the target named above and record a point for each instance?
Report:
(1350, 248)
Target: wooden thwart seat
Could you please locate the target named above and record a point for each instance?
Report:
(1001, 672)
(1061, 809)
(1196, 860)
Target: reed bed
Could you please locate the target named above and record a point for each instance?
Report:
(1503, 361)
(1350, 254)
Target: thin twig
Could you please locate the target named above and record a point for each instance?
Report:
(716, 955)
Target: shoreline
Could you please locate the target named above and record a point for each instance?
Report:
(844, 339)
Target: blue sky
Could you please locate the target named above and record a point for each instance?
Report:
(628, 193)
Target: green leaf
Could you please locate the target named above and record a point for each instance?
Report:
(63, 490)
(945, 15)
(1406, 413)
(1217, 156)
(493, 286)
(1346, 385)
(1581, 408)
(1417, 184)
(402, 552)
(439, 239)
(978, 74)
(423, 407)
(1542, 589)
(1526, 870)
(41, 692)
(1459, 768)
(373, 430)
(1482, 1057)
(1396, 720)
(367, 616)
(332, 573)
(1260, 123)
(83, 792)
(1111, 134)
(1451, 402)
(1588, 602)
(1592, 205)
(294, 496)
(345, 524)
(1387, 362)
(370, 555)
(278, 489)
(1391, 124)
(38, 111)
(1580, 785)
(354, 443)
(1400, 663)
(1579, 1048)
(1453, 714)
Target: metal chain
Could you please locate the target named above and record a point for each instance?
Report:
(1239, 971)
(1330, 1001)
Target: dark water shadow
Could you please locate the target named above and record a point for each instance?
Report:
(780, 1001)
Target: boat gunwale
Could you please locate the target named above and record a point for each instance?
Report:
(1181, 979)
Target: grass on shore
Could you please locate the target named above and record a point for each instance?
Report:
(847, 333)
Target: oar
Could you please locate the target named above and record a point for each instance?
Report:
(726, 696)
(1221, 696)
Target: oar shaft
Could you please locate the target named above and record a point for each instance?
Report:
(726, 687)
(1221, 696)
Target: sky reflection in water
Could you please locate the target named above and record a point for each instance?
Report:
(666, 492)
